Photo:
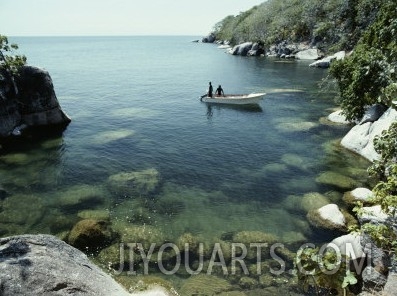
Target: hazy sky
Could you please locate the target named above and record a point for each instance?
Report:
(115, 17)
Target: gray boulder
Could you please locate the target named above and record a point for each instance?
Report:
(256, 50)
(45, 265)
(360, 138)
(242, 49)
(308, 54)
(326, 62)
(209, 39)
(349, 245)
(360, 194)
(373, 214)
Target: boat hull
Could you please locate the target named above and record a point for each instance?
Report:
(249, 99)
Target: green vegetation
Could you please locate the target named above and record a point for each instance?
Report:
(332, 25)
(8, 60)
(325, 270)
(368, 76)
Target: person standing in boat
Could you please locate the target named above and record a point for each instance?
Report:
(219, 91)
(210, 90)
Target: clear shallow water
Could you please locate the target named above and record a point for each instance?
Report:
(134, 106)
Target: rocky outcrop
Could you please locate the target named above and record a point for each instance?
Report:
(256, 50)
(29, 103)
(242, 49)
(210, 38)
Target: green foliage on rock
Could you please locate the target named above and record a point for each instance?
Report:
(8, 60)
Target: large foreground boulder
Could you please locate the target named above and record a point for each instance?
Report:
(44, 265)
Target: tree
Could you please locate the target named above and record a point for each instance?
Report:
(369, 74)
(10, 62)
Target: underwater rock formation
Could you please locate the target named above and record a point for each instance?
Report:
(89, 234)
(134, 183)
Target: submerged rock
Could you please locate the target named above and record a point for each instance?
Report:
(204, 285)
(89, 234)
(135, 183)
(313, 200)
(328, 217)
(336, 179)
(18, 215)
(145, 235)
(79, 197)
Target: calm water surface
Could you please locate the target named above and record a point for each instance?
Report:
(134, 106)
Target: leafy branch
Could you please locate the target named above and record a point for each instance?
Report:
(9, 61)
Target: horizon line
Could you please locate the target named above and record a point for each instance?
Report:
(111, 35)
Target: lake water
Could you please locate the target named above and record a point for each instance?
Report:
(216, 171)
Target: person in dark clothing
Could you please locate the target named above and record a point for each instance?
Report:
(219, 91)
(210, 90)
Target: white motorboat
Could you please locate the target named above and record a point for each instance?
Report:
(247, 99)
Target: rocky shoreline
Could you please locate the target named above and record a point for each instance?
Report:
(380, 273)
(359, 139)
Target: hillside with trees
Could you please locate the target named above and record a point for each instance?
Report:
(330, 25)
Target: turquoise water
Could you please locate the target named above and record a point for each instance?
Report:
(218, 170)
